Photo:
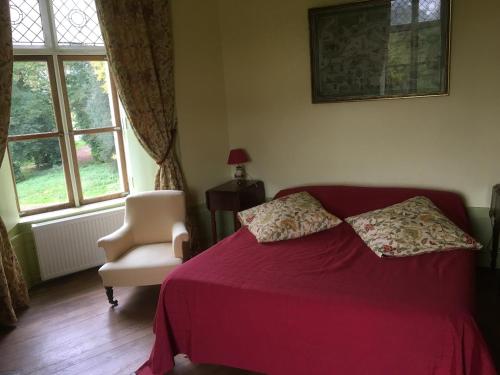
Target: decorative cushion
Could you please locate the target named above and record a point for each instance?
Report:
(292, 216)
(411, 227)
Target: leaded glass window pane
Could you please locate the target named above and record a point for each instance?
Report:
(26, 23)
(76, 23)
(401, 12)
(429, 10)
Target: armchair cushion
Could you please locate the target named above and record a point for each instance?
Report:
(141, 265)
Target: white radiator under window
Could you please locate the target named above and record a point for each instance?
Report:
(69, 245)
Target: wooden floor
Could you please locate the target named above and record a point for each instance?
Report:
(69, 329)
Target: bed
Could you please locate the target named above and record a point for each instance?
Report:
(325, 303)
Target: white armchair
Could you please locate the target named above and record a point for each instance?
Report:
(148, 245)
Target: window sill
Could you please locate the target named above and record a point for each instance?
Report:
(70, 212)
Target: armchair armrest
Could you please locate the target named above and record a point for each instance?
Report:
(179, 235)
(116, 243)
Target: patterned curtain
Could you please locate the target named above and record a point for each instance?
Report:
(13, 291)
(139, 47)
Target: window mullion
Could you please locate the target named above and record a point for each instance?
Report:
(47, 24)
(66, 129)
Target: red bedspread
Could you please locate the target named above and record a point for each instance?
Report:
(324, 304)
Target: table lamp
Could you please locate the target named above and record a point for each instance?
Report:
(238, 157)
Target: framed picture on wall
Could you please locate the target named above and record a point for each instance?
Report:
(380, 49)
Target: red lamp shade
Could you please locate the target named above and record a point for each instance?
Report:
(237, 156)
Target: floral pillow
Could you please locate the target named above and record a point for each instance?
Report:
(411, 227)
(292, 216)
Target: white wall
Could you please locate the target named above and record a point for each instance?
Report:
(200, 96)
(199, 82)
(203, 136)
(8, 205)
(444, 142)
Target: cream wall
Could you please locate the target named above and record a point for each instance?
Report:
(8, 205)
(200, 96)
(202, 142)
(203, 138)
(242, 80)
(445, 142)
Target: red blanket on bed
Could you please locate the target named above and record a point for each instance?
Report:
(325, 304)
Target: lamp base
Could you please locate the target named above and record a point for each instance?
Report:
(240, 174)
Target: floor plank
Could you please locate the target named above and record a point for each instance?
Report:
(70, 329)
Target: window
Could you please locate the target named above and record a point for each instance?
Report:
(65, 139)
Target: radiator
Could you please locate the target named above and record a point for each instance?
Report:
(69, 245)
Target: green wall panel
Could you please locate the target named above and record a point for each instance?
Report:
(481, 229)
(24, 246)
(23, 243)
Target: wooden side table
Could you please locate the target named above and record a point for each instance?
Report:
(235, 197)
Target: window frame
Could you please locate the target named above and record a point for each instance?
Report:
(113, 129)
(59, 134)
(55, 56)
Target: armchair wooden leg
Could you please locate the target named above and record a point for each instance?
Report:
(109, 294)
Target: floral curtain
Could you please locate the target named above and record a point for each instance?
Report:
(139, 47)
(13, 291)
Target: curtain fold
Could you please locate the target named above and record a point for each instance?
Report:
(13, 291)
(138, 43)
